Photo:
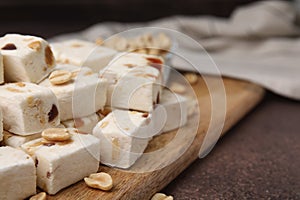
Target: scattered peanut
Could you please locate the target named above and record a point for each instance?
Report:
(157, 44)
(56, 134)
(169, 198)
(161, 196)
(102, 181)
(60, 77)
(177, 88)
(99, 41)
(164, 41)
(39, 196)
(191, 78)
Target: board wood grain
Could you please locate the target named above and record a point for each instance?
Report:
(241, 97)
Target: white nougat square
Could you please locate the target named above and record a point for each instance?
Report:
(83, 124)
(60, 164)
(124, 135)
(83, 95)
(172, 109)
(28, 108)
(26, 58)
(82, 53)
(133, 85)
(17, 174)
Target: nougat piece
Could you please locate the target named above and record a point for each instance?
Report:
(124, 135)
(60, 164)
(83, 124)
(138, 90)
(174, 112)
(28, 108)
(17, 174)
(26, 58)
(133, 86)
(16, 141)
(82, 53)
(82, 95)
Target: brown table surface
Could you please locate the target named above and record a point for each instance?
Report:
(257, 159)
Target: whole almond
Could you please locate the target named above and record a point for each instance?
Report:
(59, 77)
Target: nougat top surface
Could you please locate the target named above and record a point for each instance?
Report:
(11, 157)
(54, 150)
(123, 122)
(20, 90)
(81, 78)
(25, 45)
(78, 50)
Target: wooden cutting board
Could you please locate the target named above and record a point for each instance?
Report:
(241, 97)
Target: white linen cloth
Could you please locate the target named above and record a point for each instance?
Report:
(259, 42)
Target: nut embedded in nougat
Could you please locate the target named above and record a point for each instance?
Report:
(28, 108)
(57, 161)
(84, 94)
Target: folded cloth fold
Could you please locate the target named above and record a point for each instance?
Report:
(259, 42)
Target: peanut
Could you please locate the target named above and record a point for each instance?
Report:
(177, 88)
(140, 44)
(60, 77)
(56, 134)
(161, 196)
(191, 78)
(39, 196)
(102, 181)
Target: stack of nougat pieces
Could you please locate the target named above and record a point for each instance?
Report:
(106, 100)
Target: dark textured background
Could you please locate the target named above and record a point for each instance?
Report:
(258, 159)
(72, 15)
